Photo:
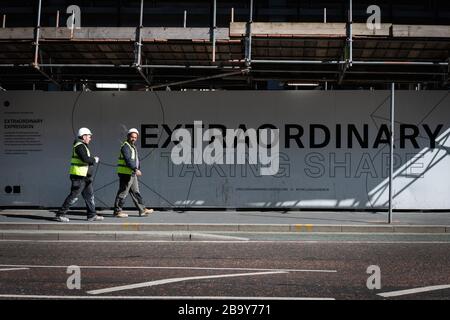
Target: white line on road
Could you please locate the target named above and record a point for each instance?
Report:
(173, 268)
(173, 280)
(412, 291)
(27, 296)
(114, 242)
(14, 269)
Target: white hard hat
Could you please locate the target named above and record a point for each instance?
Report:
(133, 130)
(83, 131)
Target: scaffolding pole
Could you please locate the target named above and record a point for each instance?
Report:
(348, 50)
(139, 70)
(144, 66)
(350, 34)
(413, 63)
(214, 27)
(138, 46)
(49, 78)
(37, 34)
(138, 42)
(248, 43)
(35, 63)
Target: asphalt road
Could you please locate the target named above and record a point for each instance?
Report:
(247, 270)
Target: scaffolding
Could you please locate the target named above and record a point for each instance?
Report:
(246, 52)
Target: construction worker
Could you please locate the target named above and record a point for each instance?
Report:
(81, 168)
(128, 171)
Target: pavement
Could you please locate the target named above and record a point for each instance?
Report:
(215, 225)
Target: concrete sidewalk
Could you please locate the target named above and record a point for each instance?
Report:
(29, 223)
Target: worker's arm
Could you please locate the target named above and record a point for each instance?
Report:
(81, 151)
(127, 156)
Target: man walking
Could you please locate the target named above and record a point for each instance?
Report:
(81, 168)
(128, 171)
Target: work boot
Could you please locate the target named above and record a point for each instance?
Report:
(95, 218)
(62, 218)
(145, 213)
(120, 214)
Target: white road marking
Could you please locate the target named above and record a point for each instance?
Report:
(26, 296)
(14, 269)
(171, 268)
(219, 237)
(233, 241)
(412, 291)
(173, 280)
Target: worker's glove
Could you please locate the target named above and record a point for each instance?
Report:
(96, 159)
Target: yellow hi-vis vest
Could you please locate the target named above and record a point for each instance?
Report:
(77, 166)
(121, 164)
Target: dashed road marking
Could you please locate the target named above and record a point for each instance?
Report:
(13, 269)
(412, 291)
(170, 268)
(173, 280)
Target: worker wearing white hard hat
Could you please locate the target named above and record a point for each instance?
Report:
(83, 131)
(133, 130)
(128, 169)
(81, 169)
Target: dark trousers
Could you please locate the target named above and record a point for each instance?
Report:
(83, 186)
(128, 184)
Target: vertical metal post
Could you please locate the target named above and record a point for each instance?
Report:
(232, 14)
(37, 35)
(350, 33)
(248, 51)
(141, 15)
(4, 21)
(184, 19)
(214, 31)
(391, 151)
(35, 63)
(138, 46)
(139, 36)
(324, 15)
(348, 49)
(57, 19)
